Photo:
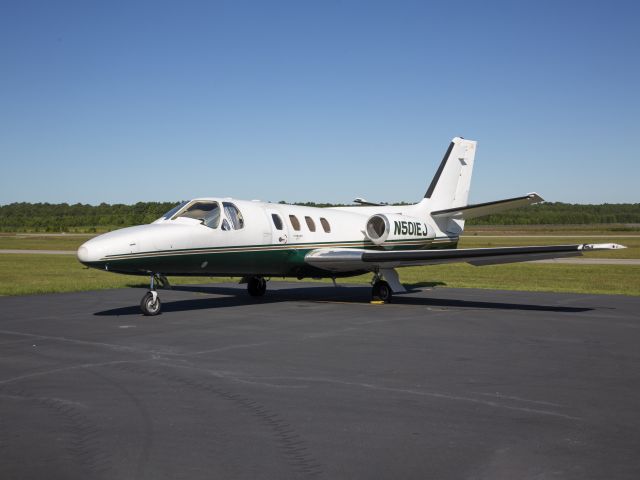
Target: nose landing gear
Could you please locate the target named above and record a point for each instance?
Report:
(150, 303)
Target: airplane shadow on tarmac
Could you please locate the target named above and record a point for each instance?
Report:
(233, 297)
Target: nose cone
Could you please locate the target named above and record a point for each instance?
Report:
(90, 252)
(83, 254)
(95, 252)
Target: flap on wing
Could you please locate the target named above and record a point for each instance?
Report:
(488, 208)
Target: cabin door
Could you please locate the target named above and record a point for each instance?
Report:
(279, 229)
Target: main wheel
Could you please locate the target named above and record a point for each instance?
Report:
(256, 286)
(148, 306)
(382, 291)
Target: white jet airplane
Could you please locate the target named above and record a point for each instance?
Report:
(254, 240)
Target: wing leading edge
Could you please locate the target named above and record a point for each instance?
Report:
(343, 260)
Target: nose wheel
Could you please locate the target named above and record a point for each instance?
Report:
(150, 303)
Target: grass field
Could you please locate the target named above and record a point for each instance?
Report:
(31, 274)
(34, 274)
(591, 229)
(44, 242)
(632, 242)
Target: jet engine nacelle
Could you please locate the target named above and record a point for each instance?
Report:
(383, 228)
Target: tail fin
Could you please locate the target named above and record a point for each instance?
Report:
(450, 185)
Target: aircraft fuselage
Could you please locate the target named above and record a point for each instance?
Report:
(273, 241)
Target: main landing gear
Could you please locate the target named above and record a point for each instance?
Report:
(381, 291)
(256, 286)
(150, 303)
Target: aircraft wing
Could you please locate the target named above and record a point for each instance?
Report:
(345, 260)
(489, 208)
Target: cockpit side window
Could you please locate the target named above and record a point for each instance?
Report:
(234, 215)
(213, 217)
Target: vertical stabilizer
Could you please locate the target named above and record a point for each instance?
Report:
(450, 185)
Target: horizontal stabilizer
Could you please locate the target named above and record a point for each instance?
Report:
(488, 208)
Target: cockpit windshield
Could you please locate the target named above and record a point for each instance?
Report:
(207, 212)
(173, 211)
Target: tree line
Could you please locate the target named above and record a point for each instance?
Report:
(557, 213)
(63, 217)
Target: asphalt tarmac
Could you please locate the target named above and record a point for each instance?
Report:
(314, 381)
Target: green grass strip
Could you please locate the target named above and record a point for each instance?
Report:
(35, 274)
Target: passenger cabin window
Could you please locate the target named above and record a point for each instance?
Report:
(206, 211)
(310, 223)
(325, 225)
(234, 215)
(294, 222)
(277, 221)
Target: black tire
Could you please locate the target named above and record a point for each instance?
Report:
(148, 307)
(256, 286)
(382, 291)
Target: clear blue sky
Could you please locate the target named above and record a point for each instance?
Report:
(109, 101)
